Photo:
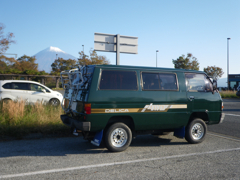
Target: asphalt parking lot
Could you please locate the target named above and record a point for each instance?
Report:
(148, 157)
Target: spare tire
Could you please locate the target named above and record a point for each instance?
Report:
(238, 93)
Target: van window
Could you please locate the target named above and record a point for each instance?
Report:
(7, 86)
(118, 80)
(198, 83)
(21, 86)
(159, 81)
(36, 87)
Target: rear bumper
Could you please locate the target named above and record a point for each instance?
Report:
(83, 126)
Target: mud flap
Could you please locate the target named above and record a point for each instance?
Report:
(97, 138)
(180, 133)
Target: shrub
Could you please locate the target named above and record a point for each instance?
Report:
(228, 94)
(18, 119)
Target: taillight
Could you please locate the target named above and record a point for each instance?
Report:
(87, 108)
(222, 106)
(66, 103)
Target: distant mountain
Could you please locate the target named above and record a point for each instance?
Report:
(46, 57)
(222, 82)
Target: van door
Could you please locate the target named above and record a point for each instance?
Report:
(165, 101)
(200, 96)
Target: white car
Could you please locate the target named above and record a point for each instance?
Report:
(30, 91)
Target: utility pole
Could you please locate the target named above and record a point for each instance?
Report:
(228, 84)
(156, 57)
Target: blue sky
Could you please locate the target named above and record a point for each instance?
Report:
(173, 27)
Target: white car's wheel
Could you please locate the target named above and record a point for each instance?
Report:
(54, 102)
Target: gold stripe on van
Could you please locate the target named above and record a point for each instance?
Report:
(147, 108)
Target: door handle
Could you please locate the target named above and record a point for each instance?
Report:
(191, 98)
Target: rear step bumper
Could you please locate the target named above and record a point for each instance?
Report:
(84, 126)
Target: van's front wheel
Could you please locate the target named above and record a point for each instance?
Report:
(196, 131)
(118, 137)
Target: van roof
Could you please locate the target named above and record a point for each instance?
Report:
(146, 68)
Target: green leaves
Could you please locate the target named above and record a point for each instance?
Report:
(189, 62)
(5, 41)
(214, 72)
(93, 59)
(61, 64)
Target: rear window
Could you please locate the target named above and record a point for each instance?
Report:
(159, 81)
(21, 86)
(7, 86)
(118, 80)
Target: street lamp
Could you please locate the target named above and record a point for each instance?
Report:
(83, 51)
(228, 63)
(156, 57)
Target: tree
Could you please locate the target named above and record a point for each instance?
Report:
(61, 64)
(214, 72)
(6, 62)
(25, 63)
(3, 66)
(94, 58)
(5, 40)
(189, 62)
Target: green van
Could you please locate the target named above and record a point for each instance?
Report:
(113, 104)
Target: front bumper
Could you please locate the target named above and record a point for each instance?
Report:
(83, 126)
(222, 118)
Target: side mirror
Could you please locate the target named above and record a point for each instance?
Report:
(214, 85)
(43, 90)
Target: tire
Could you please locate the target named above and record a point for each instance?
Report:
(118, 137)
(7, 100)
(54, 102)
(196, 131)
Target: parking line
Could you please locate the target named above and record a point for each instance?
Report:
(115, 163)
(224, 136)
(232, 115)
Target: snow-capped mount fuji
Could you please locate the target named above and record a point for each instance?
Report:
(46, 57)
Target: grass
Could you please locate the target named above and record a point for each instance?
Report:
(18, 119)
(57, 89)
(228, 94)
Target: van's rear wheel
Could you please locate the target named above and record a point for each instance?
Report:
(196, 131)
(118, 137)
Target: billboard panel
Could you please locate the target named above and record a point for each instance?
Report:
(98, 46)
(108, 43)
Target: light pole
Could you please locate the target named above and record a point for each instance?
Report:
(83, 51)
(156, 57)
(228, 63)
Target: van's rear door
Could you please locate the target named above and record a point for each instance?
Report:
(77, 91)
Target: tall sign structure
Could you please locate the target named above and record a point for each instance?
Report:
(115, 43)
